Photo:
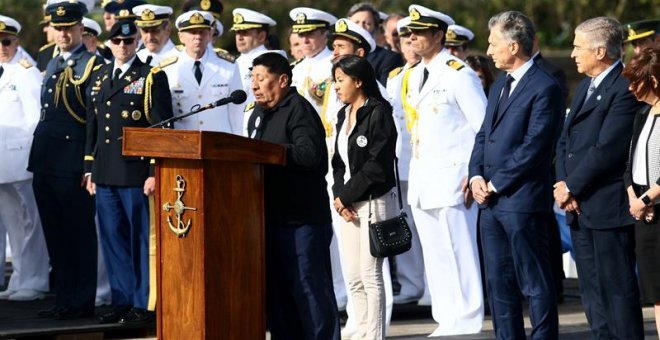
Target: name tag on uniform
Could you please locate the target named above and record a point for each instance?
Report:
(219, 85)
(136, 87)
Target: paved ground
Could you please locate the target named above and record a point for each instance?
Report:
(409, 322)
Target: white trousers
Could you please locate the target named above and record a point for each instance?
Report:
(363, 272)
(410, 265)
(20, 218)
(338, 260)
(449, 241)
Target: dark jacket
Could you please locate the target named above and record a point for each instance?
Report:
(114, 106)
(638, 125)
(593, 149)
(383, 61)
(297, 193)
(58, 147)
(371, 152)
(514, 149)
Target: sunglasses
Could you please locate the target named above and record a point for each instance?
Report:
(127, 41)
(6, 42)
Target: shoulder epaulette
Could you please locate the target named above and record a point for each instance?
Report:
(249, 106)
(179, 47)
(296, 62)
(100, 45)
(25, 63)
(224, 54)
(456, 65)
(97, 67)
(164, 63)
(46, 46)
(394, 72)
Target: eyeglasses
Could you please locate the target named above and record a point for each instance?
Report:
(118, 41)
(6, 42)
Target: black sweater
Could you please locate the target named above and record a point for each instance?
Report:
(295, 194)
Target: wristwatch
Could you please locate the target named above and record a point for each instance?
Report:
(646, 199)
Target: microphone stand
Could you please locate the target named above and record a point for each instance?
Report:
(173, 119)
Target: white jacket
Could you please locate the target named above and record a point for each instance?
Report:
(219, 79)
(20, 90)
(451, 107)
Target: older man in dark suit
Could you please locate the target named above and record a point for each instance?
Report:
(591, 159)
(510, 180)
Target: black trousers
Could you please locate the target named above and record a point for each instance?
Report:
(67, 216)
(605, 261)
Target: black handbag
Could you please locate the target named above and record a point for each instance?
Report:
(392, 236)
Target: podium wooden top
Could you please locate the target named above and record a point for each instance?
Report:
(189, 144)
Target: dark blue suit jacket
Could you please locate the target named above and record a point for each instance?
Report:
(593, 149)
(514, 151)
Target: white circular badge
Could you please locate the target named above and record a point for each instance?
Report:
(362, 141)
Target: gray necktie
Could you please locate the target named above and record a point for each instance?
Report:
(590, 91)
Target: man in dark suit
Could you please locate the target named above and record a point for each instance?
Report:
(382, 60)
(122, 184)
(554, 237)
(56, 159)
(510, 181)
(591, 160)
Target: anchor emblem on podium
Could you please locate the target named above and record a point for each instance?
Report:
(181, 228)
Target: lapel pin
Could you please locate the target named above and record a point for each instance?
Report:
(128, 78)
(598, 98)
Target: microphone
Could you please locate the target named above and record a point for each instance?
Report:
(236, 97)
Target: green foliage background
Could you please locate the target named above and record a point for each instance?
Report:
(555, 19)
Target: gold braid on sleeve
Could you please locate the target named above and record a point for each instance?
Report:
(147, 94)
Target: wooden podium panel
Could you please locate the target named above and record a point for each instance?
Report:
(211, 281)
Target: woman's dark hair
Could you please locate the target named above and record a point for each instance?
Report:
(360, 69)
(484, 65)
(640, 69)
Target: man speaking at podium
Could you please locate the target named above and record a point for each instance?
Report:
(300, 301)
(125, 93)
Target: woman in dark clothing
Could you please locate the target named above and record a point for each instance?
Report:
(642, 175)
(363, 170)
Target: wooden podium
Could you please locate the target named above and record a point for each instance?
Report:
(209, 231)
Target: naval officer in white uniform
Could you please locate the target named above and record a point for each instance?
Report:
(449, 107)
(155, 28)
(20, 87)
(312, 74)
(198, 76)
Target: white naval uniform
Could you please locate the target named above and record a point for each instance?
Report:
(219, 79)
(410, 265)
(313, 72)
(20, 89)
(168, 49)
(244, 62)
(451, 107)
(329, 114)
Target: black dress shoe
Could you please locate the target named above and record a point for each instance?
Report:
(137, 315)
(117, 313)
(70, 314)
(48, 313)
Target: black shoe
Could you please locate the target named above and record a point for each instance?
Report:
(117, 313)
(48, 313)
(137, 315)
(70, 314)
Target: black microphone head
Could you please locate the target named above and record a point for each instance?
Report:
(238, 97)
